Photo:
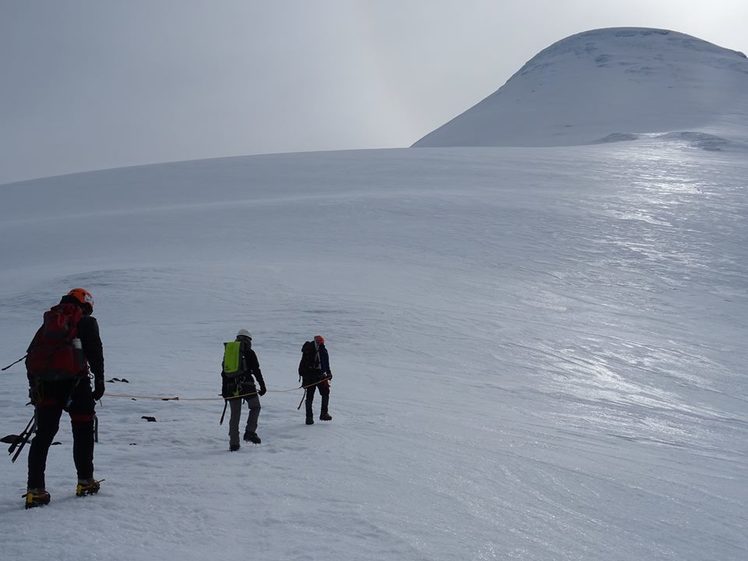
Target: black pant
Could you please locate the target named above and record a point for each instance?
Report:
(324, 392)
(52, 398)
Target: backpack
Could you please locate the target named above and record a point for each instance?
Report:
(55, 352)
(233, 359)
(309, 358)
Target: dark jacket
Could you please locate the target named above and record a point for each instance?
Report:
(88, 333)
(244, 383)
(324, 359)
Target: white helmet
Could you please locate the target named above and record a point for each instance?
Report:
(244, 333)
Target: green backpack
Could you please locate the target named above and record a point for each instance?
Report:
(233, 363)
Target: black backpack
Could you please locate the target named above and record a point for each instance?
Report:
(309, 362)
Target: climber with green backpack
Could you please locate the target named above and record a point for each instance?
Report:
(240, 369)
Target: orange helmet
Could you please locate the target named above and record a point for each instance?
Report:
(83, 296)
(319, 339)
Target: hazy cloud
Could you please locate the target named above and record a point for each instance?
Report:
(98, 84)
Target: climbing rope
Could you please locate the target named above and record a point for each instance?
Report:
(177, 398)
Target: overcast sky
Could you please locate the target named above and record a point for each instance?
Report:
(93, 84)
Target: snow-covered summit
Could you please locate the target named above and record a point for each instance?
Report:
(612, 84)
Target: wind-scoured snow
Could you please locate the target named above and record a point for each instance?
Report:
(606, 84)
(539, 354)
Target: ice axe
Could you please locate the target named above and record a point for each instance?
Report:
(23, 438)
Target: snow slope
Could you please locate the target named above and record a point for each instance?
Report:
(539, 354)
(611, 84)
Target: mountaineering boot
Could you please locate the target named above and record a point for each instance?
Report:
(87, 487)
(309, 421)
(36, 497)
(252, 437)
(233, 447)
(325, 416)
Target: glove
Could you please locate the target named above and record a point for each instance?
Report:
(98, 388)
(32, 395)
(329, 375)
(263, 390)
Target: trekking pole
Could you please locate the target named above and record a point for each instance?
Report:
(303, 395)
(96, 428)
(23, 439)
(16, 362)
(225, 404)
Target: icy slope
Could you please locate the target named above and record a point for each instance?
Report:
(610, 84)
(539, 354)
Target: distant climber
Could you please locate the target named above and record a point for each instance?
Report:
(314, 369)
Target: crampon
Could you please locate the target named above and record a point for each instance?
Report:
(87, 487)
(36, 497)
